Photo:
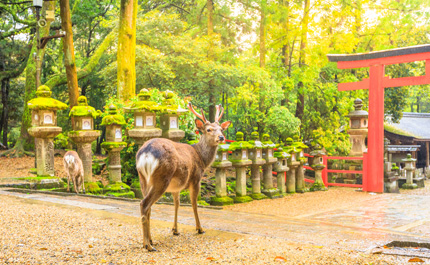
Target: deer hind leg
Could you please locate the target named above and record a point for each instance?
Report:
(75, 184)
(68, 181)
(194, 193)
(153, 193)
(176, 202)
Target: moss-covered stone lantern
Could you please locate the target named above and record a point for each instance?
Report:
(169, 120)
(293, 164)
(300, 171)
(318, 165)
(83, 116)
(114, 143)
(268, 147)
(280, 167)
(256, 155)
(240, 161)
(221, 163)
(83, 133)
(144, 111)
(410, 168)
(44, 128)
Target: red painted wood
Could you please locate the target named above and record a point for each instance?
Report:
(345, 157)
(307, 167)
(344, 171)
(310, 180)
(375, 177)
(384, 61)
(406, 81)
(363, 84)
(324, 173)
(365, 173)
(346, 185)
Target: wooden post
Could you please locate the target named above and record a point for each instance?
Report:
(427, 154)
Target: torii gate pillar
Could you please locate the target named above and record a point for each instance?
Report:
(376, 83)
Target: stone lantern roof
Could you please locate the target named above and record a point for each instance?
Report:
(280, 153)
(409, 158)
(83, 109)
(224, 147)
(43, 101)
(169, 105)
(113, 117)
(240, 143)
(267, 143)
(358, 112)
(255, 141)
(144, 103)
(318, 151)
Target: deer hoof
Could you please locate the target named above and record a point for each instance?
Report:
(175, 232)
(200, 231)
(150, 248)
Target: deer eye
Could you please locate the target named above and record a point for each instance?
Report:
(208, 130)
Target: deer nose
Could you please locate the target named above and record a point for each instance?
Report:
(221, 138)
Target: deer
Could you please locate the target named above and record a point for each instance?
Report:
(74, 170)
(167, 166)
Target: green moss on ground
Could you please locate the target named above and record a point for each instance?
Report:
(220, 201)
(242, 199)
(93, 188)
(202, 203)
(409, 186)
(117, 187)
(258, 196)
(35, 179)
(318, 186)
(128, 194)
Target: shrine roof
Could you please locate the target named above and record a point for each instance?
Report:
(379, 54)
(412, 124)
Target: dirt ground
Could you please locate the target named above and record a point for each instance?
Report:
(46, 233)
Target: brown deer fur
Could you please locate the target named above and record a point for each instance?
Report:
(167, 166)
(74, 170)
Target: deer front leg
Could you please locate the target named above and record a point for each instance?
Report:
(176, 202)
(194, 192)
(83, 184)
(68, 181)
(75, 185)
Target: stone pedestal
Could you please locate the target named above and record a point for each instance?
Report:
(269, 190)
(114, 155)
(291, 176)
(83, 140)
(140, 136)
(44, 145)
(240, 161)
(410, 168)
(221, 164)
(300, 179)
(318, 166)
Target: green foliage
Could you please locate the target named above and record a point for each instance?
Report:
(61, 141)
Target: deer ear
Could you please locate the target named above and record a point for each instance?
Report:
(225, 125)
(200, 125)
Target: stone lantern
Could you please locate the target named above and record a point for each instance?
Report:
(240, 161)
(44, 128)
(318, 165)
(300, 171)
(256, 155)
(144, 112)
(169, 120)
(83, 133)
(293, 164)
(280, 167)
(409, 167)
(268, 147)
(114, 143)
(358, 123)
(221, 163)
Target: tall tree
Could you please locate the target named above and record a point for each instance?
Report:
(126, 72)
(69, 53)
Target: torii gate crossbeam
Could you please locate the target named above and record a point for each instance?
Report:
(376, 83)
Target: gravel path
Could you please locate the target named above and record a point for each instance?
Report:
(305, 203)
(46, 233)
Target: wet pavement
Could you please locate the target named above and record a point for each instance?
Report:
(380, 219)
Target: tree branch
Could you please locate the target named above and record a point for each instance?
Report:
(16, 17)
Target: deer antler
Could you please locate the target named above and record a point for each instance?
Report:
(200, 116)
(219, 109)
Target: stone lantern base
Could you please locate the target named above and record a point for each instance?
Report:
(221, 201)
(318, 184)
(83, 140)
(143, 135)
(173, 134)
(410, 186)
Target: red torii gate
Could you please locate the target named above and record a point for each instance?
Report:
(376, 83)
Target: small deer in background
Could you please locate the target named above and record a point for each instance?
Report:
(167, 166)
(74, 170)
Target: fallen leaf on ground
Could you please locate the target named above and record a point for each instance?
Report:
(90, 246)
(416, 260)
(211, 259)
(279, 258)
(387, 247)
(43, 249)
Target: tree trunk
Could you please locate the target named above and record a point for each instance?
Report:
(69, 53)
(263, 34)
(30, 77)
(5, 85)
(212, 98)
(126, 73)
(301, 93)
